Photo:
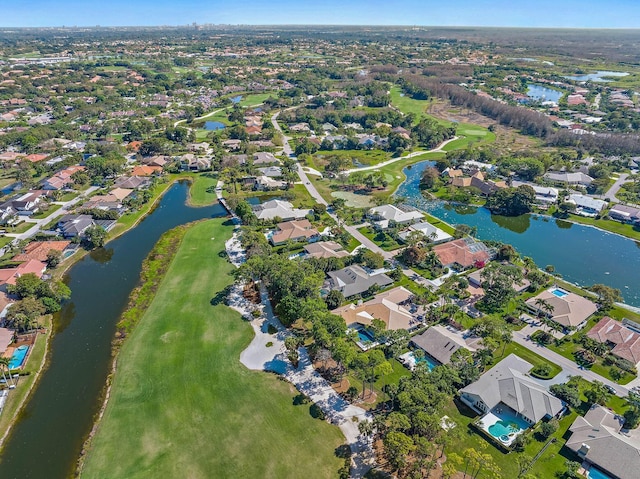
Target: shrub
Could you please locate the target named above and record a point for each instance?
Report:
(626, 365)
(271, 329)
(548, 428)
(541, 371)
(269, 344)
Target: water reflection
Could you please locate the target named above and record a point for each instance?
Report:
(102, 255)
(517, 224)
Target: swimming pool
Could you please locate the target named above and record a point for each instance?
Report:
(502, 429)
(18, 357)
(428, 361)
(365, 336)
(559, 293)
(595, 473)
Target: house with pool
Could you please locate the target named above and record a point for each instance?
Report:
(439, 345)
(569, 310)
(608, 451)
(510, 401)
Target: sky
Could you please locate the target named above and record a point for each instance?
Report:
(499, 13)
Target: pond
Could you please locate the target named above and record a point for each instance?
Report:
(214, 125)
(47, 440)
(236, 99)
(581, 254)
(542, 93)
(599, 76)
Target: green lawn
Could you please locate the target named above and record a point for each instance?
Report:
(34, 363)
(612, 226)
(181, 403)
(546, 466)
(20, 228)
(386, 242)
(44, 214)
(202, 191)
(254, 99)
(527, 355)
(408, 105)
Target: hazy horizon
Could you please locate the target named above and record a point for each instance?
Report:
(574, 14)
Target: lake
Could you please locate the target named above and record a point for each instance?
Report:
(598, 76)
(581, 254)
(214, 125)
(47, 440)
(236, 99)
(542, 93)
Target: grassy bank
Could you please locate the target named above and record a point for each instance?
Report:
(28, 378)
(182, 404)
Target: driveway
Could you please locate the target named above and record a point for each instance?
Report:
(611, 192)
(569, 368)
(37, 224)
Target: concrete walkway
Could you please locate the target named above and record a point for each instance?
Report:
(267, 352)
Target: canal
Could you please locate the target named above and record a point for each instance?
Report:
(581, 254)
(47, 440)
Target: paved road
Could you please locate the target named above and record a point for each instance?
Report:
(37, 224)
(400, 158)
(611, 192)
(569, 368)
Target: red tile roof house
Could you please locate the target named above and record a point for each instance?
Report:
(463, 253)
(10, 275)
(38, 250)
(297, 230)
(61, 179)
(625, 343)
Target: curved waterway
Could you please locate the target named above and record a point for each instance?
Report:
(47, 440)
(581, 254)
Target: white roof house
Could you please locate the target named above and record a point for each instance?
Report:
(386, 213)
(508, 384)
(598, 438)
(586, 205)
(479, 165)
(577, 178)
(431, 232)
(544, 194)
(278, 209)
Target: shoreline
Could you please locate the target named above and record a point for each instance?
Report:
(119, 339)
(59, 274)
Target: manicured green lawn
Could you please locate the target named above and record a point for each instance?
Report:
(527, 355)
(613, 226)
(20, 228)
(33, 365)
(386, 242)
(181, 403)
(202, 191)
(408, 105)
(255, 99)
(44, 214)
(546, 466)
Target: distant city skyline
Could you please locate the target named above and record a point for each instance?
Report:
(495, 13)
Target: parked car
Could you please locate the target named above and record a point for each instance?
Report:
(611, 389)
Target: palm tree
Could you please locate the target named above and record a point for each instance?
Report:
(4, 365)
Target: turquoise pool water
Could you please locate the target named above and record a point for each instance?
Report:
(595, 473)
(503, 428)
(18, 357)
(428, 361)
(559, 293)
(365, 336)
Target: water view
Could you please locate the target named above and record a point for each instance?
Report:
(543, 93)
(47, 439)
(214, 125)
(581, 254)
(599, 76)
